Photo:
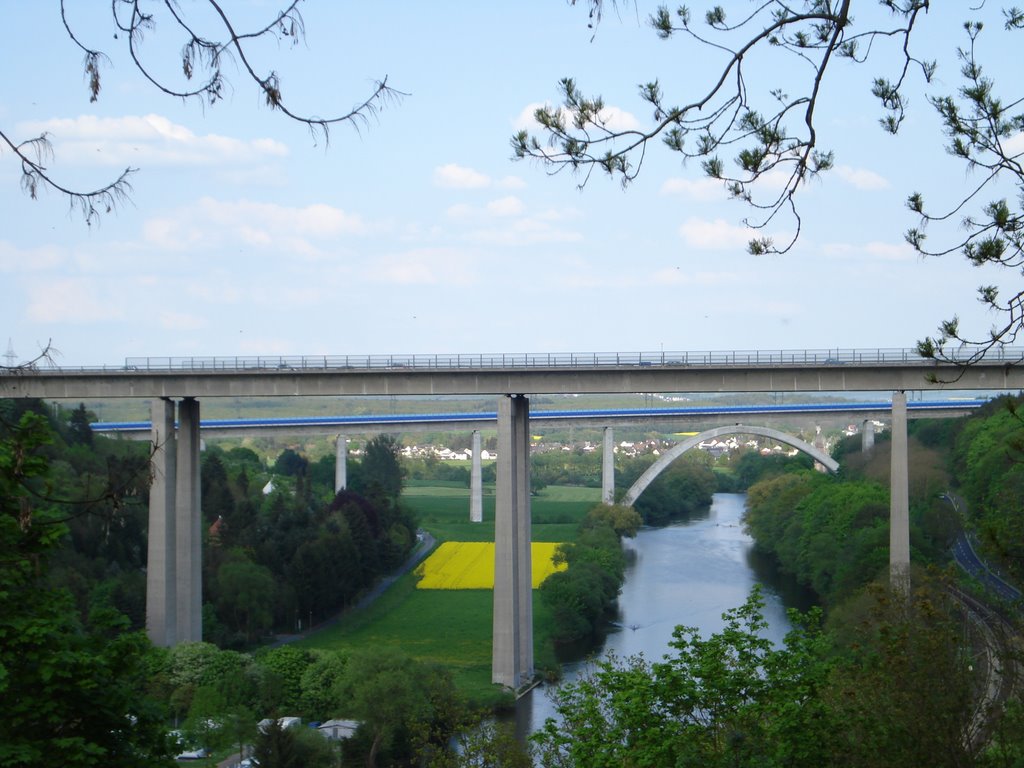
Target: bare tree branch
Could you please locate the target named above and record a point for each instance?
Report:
(724, 117)
(977, 125)
(46, 355)
(35, 153)
(202, 58)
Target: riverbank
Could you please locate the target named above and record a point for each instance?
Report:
(687, 573)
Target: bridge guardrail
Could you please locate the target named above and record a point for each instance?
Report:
(590, 360)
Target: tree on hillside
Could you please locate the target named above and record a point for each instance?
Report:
(278, 747)
(732, 699)
(72, 692)
(397, 700)
(291, 463)
(211, 40)
(381, 474)
(764, 145)
(79, 430)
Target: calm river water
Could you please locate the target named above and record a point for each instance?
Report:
(686, 573)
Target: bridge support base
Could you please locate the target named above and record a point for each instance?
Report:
(512, 659)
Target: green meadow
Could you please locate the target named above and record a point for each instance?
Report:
(453, 627)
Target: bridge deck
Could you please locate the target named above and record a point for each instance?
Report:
(782, 371)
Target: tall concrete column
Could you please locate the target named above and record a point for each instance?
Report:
(512, 651)
(608, 467)
(188, 525)
(341, 464)
(161, 586)
(899, 504)
(867, 436)
(476, 486)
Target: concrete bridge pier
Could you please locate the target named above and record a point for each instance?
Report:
(161, 578)
(188, 525)
(867, 435)
(476, 489)
(174, 578)
(899, 504)
(340, 463)
(512, 654)
(608, 467)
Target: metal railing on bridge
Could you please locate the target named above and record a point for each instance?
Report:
(747, 358)
(587, 360)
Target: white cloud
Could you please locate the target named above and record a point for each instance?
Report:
(14, 259)
(682, 276)
(524, 120)
(506, 206)
(774, 180)
(584, 275)
(612, 118)
(717, 234)
(454, 176)
(266, 345)
(212, 223)
(71, 300)
(149, 139)
(405, 272)
(180, 321)
(703, 190)
(218, 288)
(861, 178)
(1014, 145)
(560, 214)
(424, 266)
(615, 119)
(460, 211)
(524, 231)
(511, 182)
(875, 250)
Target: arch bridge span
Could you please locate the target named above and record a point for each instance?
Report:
(733, 429)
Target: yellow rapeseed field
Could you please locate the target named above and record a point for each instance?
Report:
(470, 565)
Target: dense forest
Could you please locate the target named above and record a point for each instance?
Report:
(80, 684)
(831, 534)
(281, 532)
(282, 550)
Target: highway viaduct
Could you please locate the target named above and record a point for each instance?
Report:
(171, 384)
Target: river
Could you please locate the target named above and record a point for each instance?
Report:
(688, 573)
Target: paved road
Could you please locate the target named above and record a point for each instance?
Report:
(967, 558)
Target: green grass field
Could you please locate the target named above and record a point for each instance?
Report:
(444, 511)
(453, 627)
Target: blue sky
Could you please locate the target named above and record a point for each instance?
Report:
(418, 233)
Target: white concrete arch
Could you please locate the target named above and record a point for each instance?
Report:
(734, 429)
